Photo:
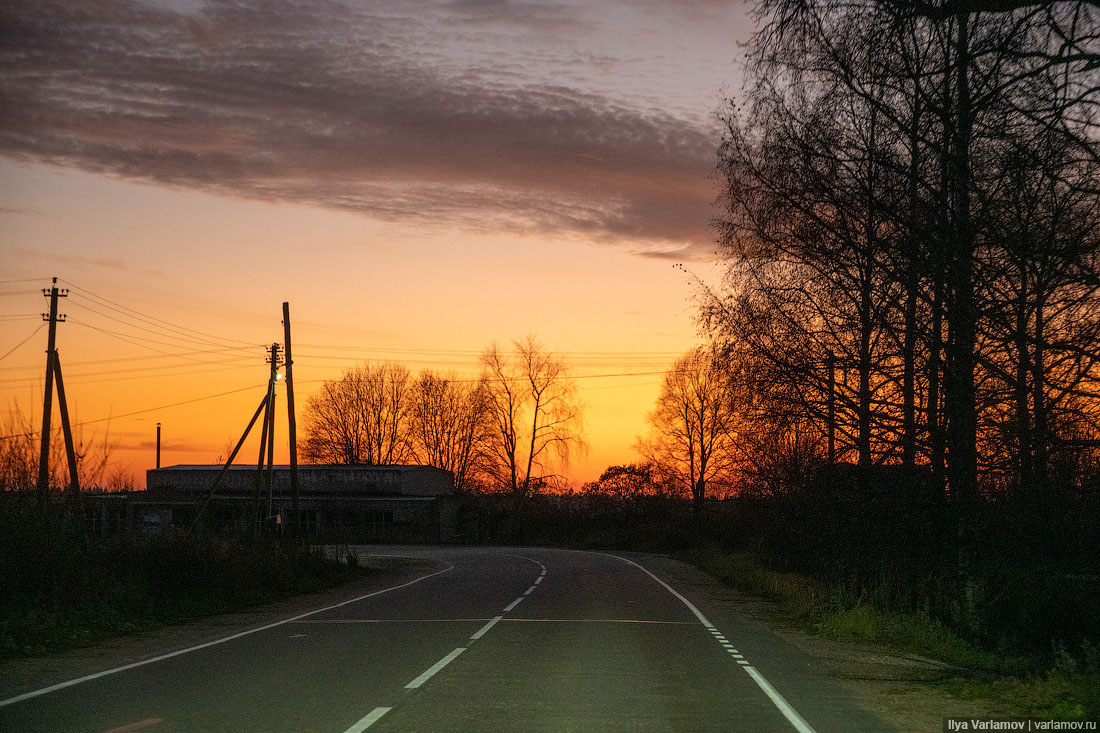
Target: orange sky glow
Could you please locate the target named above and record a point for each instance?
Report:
(551, 191)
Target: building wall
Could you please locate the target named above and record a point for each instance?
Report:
(338, 503)
(324, 480)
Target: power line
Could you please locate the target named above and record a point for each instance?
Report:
(127, 374)
(479, 352)
(160, 322)
(35, 331)
(135, 341)
(142, 412)
(147, 328)
(146, 357)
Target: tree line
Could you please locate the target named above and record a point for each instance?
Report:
(910, 227)
(510, 429)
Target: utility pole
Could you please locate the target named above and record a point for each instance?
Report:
(274, 359)
(266, 445)
(295, 509)
(53, 374)
(158, 445)
(67, 430)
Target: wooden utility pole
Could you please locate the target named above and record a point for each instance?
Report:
(266, 433)
(295, 509)
(271, 430)
(66, 428)
(53, 374)
(158, 445)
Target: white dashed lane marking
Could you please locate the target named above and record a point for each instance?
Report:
(484, 629)
(367, 720)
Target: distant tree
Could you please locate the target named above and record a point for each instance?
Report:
(535, 416)
(625, 482)
(691, 438)
(450, 424)
(361, 418)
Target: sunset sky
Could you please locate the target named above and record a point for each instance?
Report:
(417, 179)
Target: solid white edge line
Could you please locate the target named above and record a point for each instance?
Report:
(484, 629)
(434, 668)
(778, 700)
(698, 614)
(368, 720)
(513, 604)
(179, 652)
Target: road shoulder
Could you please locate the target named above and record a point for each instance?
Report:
(894, 686)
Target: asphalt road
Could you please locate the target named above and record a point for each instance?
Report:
(481, 640)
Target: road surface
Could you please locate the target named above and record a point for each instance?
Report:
(478, 639)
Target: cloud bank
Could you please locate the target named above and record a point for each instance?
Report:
(379, 109)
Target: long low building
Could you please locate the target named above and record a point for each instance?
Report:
(337, 503)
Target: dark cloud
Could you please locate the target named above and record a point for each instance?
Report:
(337, 106)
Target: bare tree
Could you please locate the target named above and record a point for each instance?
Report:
(449, 424)
(361, 418)
(535, 415)
(693, 425)
(869, 217)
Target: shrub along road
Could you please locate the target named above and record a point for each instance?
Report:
(480, 640)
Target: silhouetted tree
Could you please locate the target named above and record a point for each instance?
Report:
(535, 416)
(625, 482)
(361, 418)
(450, 424)
(868, 174)
(693, 426)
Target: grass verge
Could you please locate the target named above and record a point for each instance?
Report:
(1018, 685)
(64, 594)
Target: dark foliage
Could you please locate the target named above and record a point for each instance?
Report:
(61, 590)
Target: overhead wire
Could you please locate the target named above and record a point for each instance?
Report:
(147, 329)
(478, 352)
(16, 347)
(145, 357)
(136, 373)
(145, 411)
(152, 320)
(136, 341)
(177, 336)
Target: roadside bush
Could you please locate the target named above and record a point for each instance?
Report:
(61, 590)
